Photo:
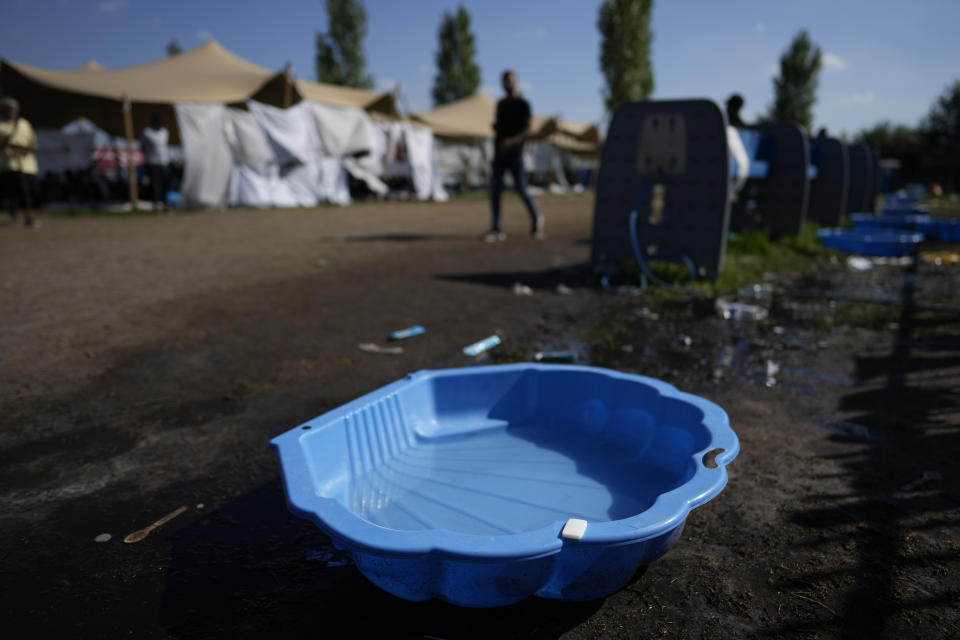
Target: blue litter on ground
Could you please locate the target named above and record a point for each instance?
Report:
(870, 242)
(905, 209)
(467, 484)
(409, 332)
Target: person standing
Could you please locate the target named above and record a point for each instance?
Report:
(155, 142)
(19, 145)
(512, 128)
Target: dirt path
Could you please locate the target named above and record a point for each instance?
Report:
(147, 361)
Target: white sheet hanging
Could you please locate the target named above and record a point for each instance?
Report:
(207, 157)
(58, 151)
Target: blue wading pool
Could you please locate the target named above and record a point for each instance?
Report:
(486, 485)
(870, 242)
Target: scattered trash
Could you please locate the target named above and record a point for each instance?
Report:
(889, 261)
(331, 558)
(757, 292)
(103, 537)
(927, 477)
(859, 263)
(563, 290)
(484, 345)
(137, 536)
(555, 356)
(409, 332)
(645, 314)
(626, 348)
(685, 341)
(940, 257)
(772, 370)
(740, 310)
(778, 330)
(849, 431)
(200, 505)
(372, 347)
(520, 289)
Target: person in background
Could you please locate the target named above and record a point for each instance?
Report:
(512, 128)
(156, 149)
(734, 104)
(19, 171)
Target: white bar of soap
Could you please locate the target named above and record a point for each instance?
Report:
(574, 529)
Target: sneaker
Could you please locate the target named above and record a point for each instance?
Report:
(494, 236)
(537, 230)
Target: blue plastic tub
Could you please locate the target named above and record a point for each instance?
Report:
(472, 485)
(870, 242)
(907, 221)
(945, 230)
(905, 209)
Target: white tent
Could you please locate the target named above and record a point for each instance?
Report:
(300, 156)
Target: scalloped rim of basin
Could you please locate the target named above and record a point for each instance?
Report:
(347, 528)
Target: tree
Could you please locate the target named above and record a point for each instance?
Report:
(941, 133)
(625, 50)
(458, 76)
(899, 141)
(340, 58)
(795, 89)
(173, 48)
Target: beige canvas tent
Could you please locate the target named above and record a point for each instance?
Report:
(208, 73)
(471, 120)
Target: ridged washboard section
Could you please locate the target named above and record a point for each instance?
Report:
(376, 434)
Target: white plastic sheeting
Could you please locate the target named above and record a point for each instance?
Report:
(351, 136)
(271, 157)
(411, 152)
(58, 151)
(208, 159)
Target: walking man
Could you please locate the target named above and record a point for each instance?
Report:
(512, 128)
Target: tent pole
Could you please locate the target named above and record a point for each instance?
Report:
(131, 158)
(287, 85)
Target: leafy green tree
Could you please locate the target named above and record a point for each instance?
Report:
(941, 133)
(625, 50)
(173, 48)
(340, 57)
(899, 141)
(795, 89)
(458, 75)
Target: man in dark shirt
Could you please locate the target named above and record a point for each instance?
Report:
(512, 128)
(734, 104)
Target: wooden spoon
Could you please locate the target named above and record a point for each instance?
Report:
(137, 536)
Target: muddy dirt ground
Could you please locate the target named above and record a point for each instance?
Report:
(145, 362)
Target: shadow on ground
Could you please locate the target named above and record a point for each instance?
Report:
(246, 571)
(573, 276)
(887, 541)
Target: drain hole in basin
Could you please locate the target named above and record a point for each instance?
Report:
(710, 458)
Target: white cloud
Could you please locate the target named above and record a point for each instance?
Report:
(110, 6)
(525, 87)
(833, 62)
(491, 90)
(528, 33)
(204, 35)
(761, 27)
(424, 69)
(854, 99)
(773, 69)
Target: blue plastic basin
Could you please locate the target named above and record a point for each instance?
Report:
(870, 242)
(913, 221)
(458, 484)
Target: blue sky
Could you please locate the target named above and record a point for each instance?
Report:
(883, 59)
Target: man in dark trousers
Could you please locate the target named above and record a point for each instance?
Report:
(512, 129)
